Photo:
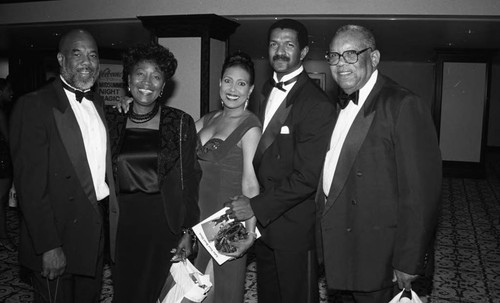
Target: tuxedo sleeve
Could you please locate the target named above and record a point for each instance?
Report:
(311, 136)
(419, 177)
(30, 147)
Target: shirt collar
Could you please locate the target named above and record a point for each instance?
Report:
(365, 90)
(64, 80)
(288, 76)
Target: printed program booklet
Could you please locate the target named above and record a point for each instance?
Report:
(210, 230)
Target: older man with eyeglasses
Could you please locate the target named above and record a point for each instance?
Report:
(378, 199)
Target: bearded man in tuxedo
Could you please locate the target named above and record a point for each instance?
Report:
(63, 177)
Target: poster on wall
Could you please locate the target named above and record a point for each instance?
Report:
(110, 85)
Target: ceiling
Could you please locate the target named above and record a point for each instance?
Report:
(409, 38)
(401, 38)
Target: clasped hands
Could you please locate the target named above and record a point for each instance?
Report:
(240, 210)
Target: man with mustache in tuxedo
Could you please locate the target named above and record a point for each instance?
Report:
(297, 120)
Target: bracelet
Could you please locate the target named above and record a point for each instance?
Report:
(253, 234)
(190, 232)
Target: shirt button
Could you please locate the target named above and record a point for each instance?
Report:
(349, 229)
(359, 174)
(354, 202)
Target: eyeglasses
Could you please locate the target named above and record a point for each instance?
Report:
(350, 56)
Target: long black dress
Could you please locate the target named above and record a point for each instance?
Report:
(144, 239)
(221, 162)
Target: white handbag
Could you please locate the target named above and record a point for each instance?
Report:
(185, 281)
(406, 296)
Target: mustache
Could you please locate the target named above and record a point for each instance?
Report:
(281, 57)
(88, 68)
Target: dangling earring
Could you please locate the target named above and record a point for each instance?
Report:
(161, 92)
(246, 104)
(129, 89)
(222, 103)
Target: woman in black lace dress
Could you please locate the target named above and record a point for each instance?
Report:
(157, 177)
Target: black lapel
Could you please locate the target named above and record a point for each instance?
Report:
(72, 139)
(352, 144)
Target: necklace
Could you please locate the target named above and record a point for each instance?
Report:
(143, 118)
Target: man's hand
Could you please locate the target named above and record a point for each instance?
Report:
(239, 208)
(123, 105)
(404, 280)
(53, 263)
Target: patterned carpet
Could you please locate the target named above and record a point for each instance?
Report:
(467, 250)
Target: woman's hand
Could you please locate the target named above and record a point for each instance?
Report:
(241, 246)
(184, 248)
(123, 105)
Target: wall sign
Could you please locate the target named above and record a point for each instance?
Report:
(110, 84)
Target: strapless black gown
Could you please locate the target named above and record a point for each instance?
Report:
(144, 239)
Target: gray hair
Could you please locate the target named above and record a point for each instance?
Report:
(368, 38)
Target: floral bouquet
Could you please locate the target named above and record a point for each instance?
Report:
(217, 232)
(231, 232)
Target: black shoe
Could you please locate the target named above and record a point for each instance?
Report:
(7, 244)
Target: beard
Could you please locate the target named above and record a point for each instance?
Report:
(79, 81)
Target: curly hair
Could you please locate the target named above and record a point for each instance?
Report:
(151, 52)
(242, 60)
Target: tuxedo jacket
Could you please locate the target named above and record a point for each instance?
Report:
(179, 172)
(288, 165)
(54, 182)
(382, 207)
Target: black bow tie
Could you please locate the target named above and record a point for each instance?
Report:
(280, 85)
(344, 99)
(79, 95)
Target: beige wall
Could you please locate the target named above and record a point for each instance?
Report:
(494, 108)
(217, 55)
(74, 10)
(185, 84)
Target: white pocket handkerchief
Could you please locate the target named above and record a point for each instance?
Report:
(285, 130)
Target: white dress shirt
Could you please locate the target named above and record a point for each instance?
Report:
(344, 122)
(94, 140)
(277, 96)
